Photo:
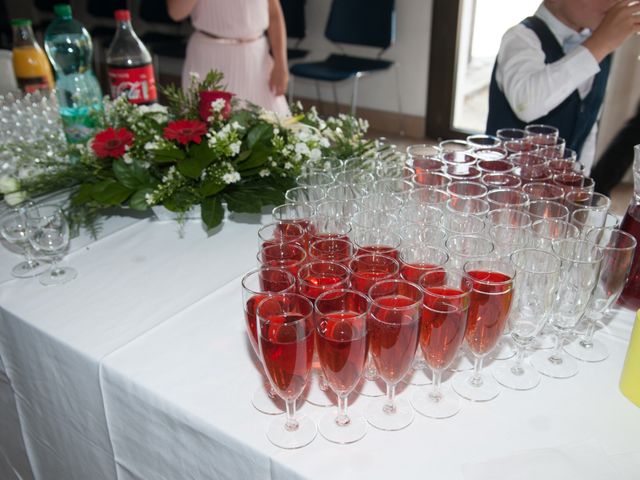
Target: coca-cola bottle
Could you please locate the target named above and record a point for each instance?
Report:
(630, 296)
(129, 64)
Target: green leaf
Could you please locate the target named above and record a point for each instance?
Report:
(138, 200)
(168, 155)
(212, 211)
(243, 156)
(211, 187)
(181, 201)
(110, 192)
(83, 195)
(132, 176)
(261, 132)
(258, 157)
(200, 157)
(243, 201)
(243, 117)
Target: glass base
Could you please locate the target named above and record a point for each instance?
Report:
(344, 433)
(368, 388)
(596, 352)
(58, 276)
(445, 405)
(264, 403)
(283, 437)
(504, 349)
(525, 378)
(561, 367)
(28, 270)
(317, 396)
(481, 390)
(380, 416)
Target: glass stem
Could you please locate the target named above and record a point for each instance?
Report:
(291, 424)
(476, 377)
(517, 369)
(342, 419)
(587, 339)
(556, 356)
(390, 404)
(436, 394)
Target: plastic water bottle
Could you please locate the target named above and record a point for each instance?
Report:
(129, 64)
(70, 50)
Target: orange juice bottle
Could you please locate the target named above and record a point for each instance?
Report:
(30, 63)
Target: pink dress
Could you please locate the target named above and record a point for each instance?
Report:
(246, 66)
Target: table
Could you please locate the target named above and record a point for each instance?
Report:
(143, 370)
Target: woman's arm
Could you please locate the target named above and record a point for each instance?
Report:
(180, 9)
(277, 34)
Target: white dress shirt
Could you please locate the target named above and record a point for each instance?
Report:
(534, 88)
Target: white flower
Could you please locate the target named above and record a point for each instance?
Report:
(264, 172)
(302, 149)
(231, 177)
(150, 146)
(218, 104)
(15, 198)
(128, 159)
(148, 197)
(8, 184)
(288, 166)
(194, 76)
(324, 143)
(235, 147)
(315, 154)
(236, 126)
(276, 131)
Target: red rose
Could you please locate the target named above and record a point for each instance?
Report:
(207, 97)
(185, 131)
(112, 143)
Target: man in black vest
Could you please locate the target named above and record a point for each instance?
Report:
(552, 68)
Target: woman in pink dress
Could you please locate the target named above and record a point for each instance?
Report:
(245, 40)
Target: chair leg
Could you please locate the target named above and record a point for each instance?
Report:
(354, 95)
(399, 97)
(291, 89)
(335, 98)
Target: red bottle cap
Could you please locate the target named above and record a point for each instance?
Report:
(122, 15)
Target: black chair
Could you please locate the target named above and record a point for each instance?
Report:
(173, 45)
(294, 19)
(369, 23)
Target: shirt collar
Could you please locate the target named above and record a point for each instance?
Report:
(566, 36)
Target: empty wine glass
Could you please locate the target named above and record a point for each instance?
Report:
(286, 343)
(394, 327)
(50, 237)
(443, 323)
(256, 286)
(341, 339)
(578, 277)
(489, 307)
(15, 229)
(618, 249)
(536, 281)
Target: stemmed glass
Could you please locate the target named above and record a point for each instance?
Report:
(16, 230)
(537, 273)
(444, 320)
(618, 249)
(489, 306)
(256, 286)
(578, 277)
(341, 339)
(286, 344)
(50, 237)
(394, 327)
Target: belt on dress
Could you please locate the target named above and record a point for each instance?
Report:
(230, 41)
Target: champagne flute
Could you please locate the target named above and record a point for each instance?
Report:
(15, 229)
(536, 282)
(286, 343)
(578, 278)
(443, 323)
(489, 306)
(50, 237)
(341, 339)
(618, 250)
(256, 286)
(394, 327)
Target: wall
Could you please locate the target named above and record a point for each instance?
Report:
(378, 92)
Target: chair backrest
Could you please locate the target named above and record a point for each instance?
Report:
(293, 11)
(155, 11)
(105, 8)
(362, 22)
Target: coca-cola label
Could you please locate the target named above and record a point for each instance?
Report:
(137, 83)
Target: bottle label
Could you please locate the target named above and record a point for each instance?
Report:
(33, 84)
(137, 83)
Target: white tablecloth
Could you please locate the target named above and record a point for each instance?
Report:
(140, 368)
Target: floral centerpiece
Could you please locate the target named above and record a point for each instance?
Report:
(204, 148)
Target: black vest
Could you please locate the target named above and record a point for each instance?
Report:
(574, 117)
